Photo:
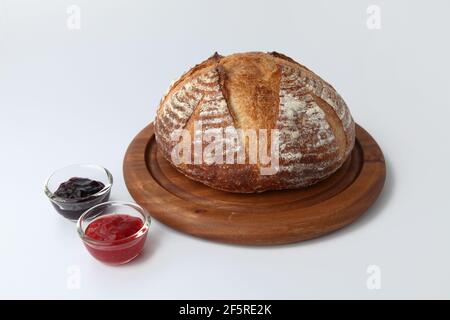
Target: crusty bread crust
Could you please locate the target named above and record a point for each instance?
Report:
(258, 90)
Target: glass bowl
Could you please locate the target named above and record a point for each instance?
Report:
(114, 251)
(72, 209)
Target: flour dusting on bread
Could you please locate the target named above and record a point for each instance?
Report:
(265, 91)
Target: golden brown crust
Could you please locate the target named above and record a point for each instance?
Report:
(252, 88)
(259, 91)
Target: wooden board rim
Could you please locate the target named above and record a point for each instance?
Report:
(262, 228)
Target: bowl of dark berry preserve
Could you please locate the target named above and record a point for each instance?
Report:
(114, 232)
(74, 189)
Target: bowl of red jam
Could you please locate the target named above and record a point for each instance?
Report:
(74, 189)
(114, 232)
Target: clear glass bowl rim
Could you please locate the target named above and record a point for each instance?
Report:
(57, 199)
(136, 235)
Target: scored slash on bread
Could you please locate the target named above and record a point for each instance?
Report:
(259, 91)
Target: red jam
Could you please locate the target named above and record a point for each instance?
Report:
(113, 236)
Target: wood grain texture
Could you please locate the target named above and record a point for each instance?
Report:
(269, 218)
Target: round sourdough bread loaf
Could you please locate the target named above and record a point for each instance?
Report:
(204, 124)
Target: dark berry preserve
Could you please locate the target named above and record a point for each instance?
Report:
(76, 195)
(78, 188)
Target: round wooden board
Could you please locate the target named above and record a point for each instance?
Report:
(269, 218)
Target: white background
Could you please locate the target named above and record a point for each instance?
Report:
(70, 96)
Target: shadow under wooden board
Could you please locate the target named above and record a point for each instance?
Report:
(268, 218)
